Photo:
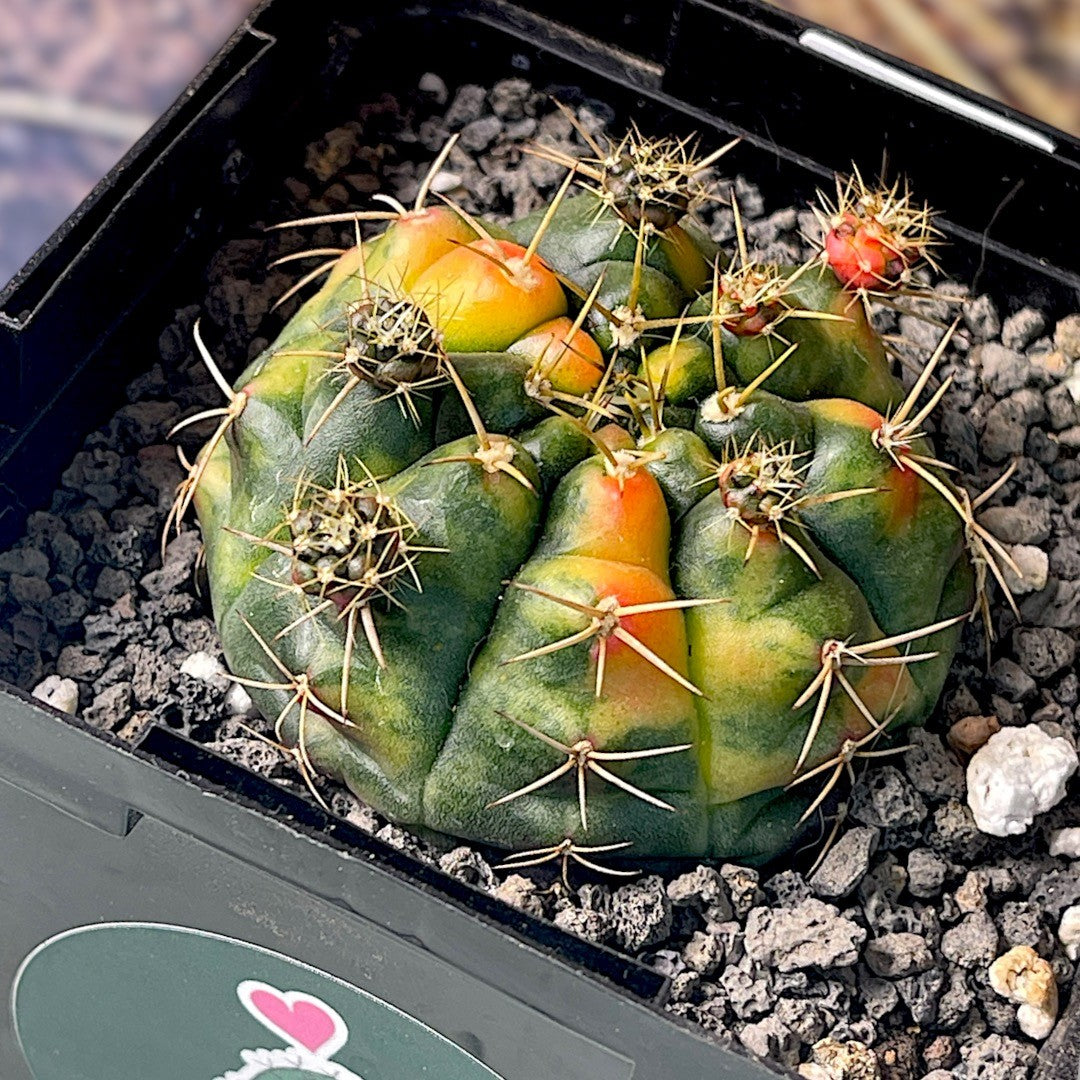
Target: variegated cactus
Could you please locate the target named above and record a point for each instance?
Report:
(578, 539)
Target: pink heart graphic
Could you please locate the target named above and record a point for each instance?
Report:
(304, 1022)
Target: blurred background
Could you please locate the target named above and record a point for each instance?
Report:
(80, 80)
(1023, 52)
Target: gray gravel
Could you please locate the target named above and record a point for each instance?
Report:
(884, 944)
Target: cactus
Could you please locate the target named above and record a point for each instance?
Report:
(573, 537)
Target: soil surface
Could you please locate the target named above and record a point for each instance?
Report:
(869, 954)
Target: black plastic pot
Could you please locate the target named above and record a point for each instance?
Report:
(93, 832)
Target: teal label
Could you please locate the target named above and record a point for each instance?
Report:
(142, 1001)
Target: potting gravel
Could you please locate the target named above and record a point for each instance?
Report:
(874, 962)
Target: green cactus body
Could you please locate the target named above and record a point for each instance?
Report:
(466, 562)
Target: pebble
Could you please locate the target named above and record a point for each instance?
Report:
(238, 702)
(971, 732)
(205, 666)
(1065, 842)
(1069, 931)
(60, 693)
(811, 934)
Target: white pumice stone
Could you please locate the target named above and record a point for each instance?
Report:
(201, 665)
(1018, 773)
(1034, 566)
(238, 702)
(1069, 931)
(62, 694)
(1065, 842)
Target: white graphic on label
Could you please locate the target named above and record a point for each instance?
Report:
(314, 1031)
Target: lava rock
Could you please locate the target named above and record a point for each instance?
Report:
(1056, 890)
(845, 864)
(941, 1053)
(973, 943)
(742, 883)
(956, 1003)
(981, 318)
(1003, 369)
(771, 1038)
(932, 769)
(110, 708)
(748, 992)
(1021, 329)
(434, 87)
(467, 106)
(1021, 923)
(1043, 651)
(703, 953)
(701, 888)
(997, 1058)
(641, 913)
(466, 865)
(1028, 522)
(885, 799)
(1012, 680)
(896, 956)
(1004, 433)
(593, 920)
(921, 993)
(927, 873)
(811, 934)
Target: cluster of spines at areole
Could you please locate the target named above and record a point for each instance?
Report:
(610, 378)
